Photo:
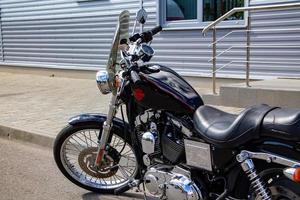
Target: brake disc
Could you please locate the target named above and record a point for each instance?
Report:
(87, 157)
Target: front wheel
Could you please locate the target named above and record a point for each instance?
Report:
(75, 150)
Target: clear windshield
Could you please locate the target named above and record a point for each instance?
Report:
(113, 59)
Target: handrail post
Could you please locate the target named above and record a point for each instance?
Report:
(1, 37)
(214, 53)
(248, 50)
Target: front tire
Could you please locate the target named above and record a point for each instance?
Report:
(75, 149)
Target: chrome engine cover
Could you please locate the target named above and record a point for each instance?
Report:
(173, 185)
(148, 142)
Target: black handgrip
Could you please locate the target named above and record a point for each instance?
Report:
(135, 37)
(148, 35)
(122, 189)
(135, 77)
(156, 30)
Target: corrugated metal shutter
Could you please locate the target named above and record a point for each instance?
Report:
(282, 56)
(60, 32)
(70, 33)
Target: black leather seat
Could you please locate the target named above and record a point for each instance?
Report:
(283, 123)
(227, 130)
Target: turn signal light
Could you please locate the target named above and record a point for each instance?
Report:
(118, 81)
(293, 174)
(297, 175)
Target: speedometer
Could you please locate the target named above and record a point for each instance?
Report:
(145, 52)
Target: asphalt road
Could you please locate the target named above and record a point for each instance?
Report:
(28, 172)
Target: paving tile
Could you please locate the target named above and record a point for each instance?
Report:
(43, 105)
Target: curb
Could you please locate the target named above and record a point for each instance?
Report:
(12, 133)
(25, 136)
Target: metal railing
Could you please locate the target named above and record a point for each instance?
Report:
(213, 26)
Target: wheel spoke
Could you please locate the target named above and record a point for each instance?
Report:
(72, 150)
(87, 145)
(79, 150)
(119, 177)
(129, 158)
(83, 147)
(127, 152)
(88, 138)
(114, 142)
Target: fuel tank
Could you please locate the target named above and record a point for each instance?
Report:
(162, 88)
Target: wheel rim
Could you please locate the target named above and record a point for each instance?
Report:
(79, 149)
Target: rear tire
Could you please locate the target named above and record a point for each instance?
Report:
(74, 155)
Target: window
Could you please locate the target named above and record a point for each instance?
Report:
(213, 9)
(197, 13)
(181, 10)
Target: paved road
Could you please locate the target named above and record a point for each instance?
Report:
(28, 172)
(43, 105)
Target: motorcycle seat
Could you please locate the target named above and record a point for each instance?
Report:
(283, 123)
(227, 130)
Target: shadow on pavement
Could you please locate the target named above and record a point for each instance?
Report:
(125, 196)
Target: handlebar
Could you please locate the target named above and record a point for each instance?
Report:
(156, 30)
(133, 56)
(146, 36)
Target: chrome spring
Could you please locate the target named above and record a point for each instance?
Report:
(258, 185)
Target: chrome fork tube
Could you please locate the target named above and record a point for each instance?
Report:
(106, 129)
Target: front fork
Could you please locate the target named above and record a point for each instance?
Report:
(106, 129)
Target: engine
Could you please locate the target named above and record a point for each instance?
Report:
(161, 140)
(175, 183)
(160, 137)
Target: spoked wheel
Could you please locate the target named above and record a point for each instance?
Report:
(75, 151)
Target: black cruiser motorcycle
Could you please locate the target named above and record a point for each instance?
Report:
(170, 143)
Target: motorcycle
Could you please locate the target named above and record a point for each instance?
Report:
(172, 144)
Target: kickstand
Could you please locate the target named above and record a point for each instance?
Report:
(144, 191)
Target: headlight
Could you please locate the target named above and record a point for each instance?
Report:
(102, 79)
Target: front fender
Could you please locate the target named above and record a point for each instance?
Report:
(92, 118)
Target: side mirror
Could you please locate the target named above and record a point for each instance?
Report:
(141, 16)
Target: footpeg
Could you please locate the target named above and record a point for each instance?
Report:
(128, 186)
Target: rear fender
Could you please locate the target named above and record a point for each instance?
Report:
(281, 148)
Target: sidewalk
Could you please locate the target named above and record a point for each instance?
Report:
(35, 108)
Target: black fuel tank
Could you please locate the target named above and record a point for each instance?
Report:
(164, 89)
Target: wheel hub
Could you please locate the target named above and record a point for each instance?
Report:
(87, 157)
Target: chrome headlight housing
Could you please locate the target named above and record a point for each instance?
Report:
(102, 79)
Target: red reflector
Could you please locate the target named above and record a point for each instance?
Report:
(296, 176)
(139, 94)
